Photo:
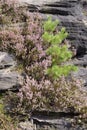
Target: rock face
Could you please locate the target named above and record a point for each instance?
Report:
(9, 78)
(71, 13)
(82, 72)
(52, 121)
(35, 2)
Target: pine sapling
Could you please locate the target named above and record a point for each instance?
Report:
(58, 51)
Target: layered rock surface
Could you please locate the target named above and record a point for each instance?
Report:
(71, 13)
(9, 78)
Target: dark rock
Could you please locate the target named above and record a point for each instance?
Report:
(71, 13)
(73, 18)
(56, 121)
(9, 78)
(81, 63)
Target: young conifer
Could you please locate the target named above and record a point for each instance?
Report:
(59, 52)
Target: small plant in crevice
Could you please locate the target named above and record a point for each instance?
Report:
(58, 51)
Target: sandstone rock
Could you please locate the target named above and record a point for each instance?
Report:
(9, 78)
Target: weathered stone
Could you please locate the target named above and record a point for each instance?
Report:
(72, 17)
(56, 121)
(71, 13)
(82, 70)
(35, 2)
(9, 78)
(26, 125)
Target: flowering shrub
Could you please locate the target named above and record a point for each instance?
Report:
(27, 45)
(6, 8)
(10, 12)
(59, 95)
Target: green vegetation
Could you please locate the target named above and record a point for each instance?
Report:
(58, 51)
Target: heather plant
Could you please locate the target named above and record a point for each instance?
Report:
(59, 95)
(33, 55)
(39, 92)
(58, 51)
(27, 44)
(10, 12)
(6, 8)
